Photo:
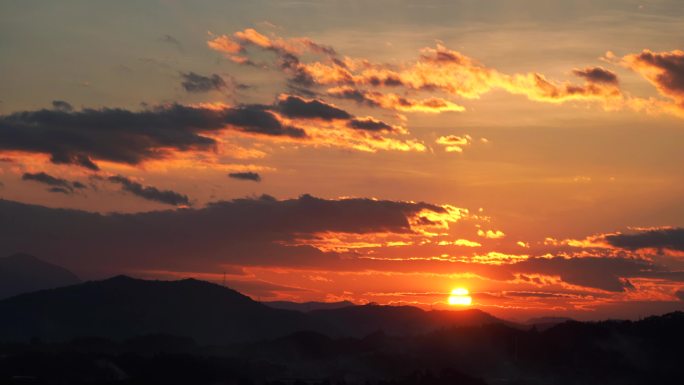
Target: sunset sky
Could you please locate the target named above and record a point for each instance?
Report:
(384, 151)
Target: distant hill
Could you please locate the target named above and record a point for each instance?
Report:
(546, 320)
(124, 307)
(308, 306)
(23, 273)
(359, 321)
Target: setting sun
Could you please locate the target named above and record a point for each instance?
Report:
(460, 297)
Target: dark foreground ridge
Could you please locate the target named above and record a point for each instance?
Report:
(615, 352)
(129, 331)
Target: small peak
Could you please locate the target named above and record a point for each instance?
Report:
(121, 278)
(194, 282)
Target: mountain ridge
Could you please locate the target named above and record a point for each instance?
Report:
(22, 273)
(307, 306)
(123, 307)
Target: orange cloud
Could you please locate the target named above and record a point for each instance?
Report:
(460, 242)
(454, 143)
(492, 234)
(224, 43)
(664, 70)
(437, 69)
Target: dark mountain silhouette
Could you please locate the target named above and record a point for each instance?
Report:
(123, 307)
(359, 321)
(543, 323)
(308, 306)
(23, 273)
(608, 352)
(588, 353)
(546, 320)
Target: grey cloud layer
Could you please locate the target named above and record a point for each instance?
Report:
(242, 231)
(668, 238)
(597, 75)
(197, 83)
(253, 176)
(150, 193)
(299, 108)
(262, 232)
(56, 185)
(130, 137)
(64, 186)
(296, 107)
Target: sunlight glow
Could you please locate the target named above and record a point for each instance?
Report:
(460, 297)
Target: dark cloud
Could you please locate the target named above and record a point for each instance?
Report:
(197, 83)
(324, 50)
(301, 91)
(256, 119)
(388, 81)
(150, 193)
(60, 190)
(296, 107)
(666, 238)
(369, 124)
(597, 75)
(360, 97)
(609, 274)
(291, 64)
(392, 101)
(670, 70)
(239, 232)
(57, 185)
(246, 176)
(267, 232)
(130, 137)
(62, 105)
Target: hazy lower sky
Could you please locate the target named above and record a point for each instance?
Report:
(386, 151)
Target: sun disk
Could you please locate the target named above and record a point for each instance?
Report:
(460, 297)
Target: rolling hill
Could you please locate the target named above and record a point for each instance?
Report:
(23, 273)
(122, 307)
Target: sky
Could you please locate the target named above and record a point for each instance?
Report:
(382, 151)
